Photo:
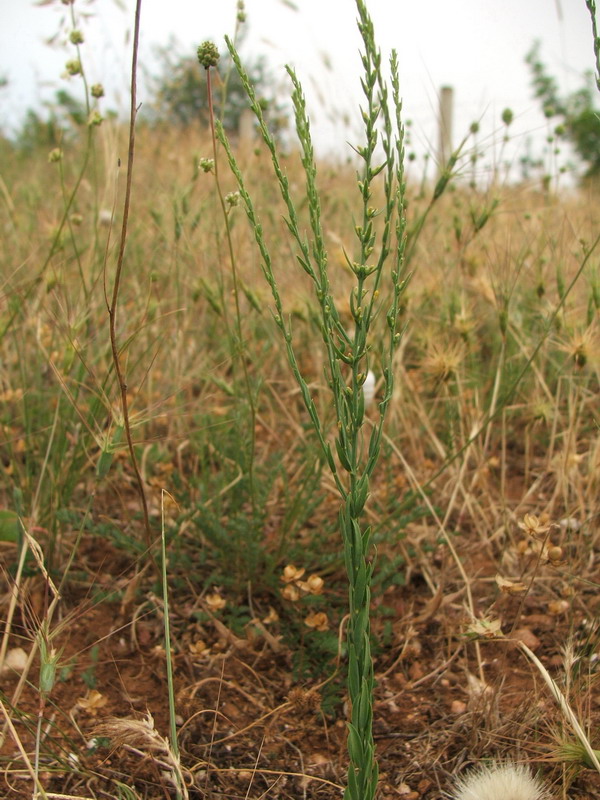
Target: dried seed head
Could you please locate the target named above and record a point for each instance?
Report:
(536, 527)
(304, 700)
(500, 782)
(443, 359)
(510, 587)
(556, 555)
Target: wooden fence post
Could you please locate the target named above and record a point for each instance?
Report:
(445, 126)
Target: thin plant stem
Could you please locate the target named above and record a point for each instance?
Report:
(168, 657)
(114, 302)
(591, 6)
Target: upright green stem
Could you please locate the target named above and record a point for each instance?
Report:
(348, 352)
(168, 656)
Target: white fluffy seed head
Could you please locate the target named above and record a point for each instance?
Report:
(500, 782)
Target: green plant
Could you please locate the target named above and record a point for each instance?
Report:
(349, 354)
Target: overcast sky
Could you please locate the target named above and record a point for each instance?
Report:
(476, 46)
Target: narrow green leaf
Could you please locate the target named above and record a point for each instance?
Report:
(10, 526)
(344, 461)
(355, 746)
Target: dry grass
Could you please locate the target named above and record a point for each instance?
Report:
(469, 452)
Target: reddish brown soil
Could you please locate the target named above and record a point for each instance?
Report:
(248, 729)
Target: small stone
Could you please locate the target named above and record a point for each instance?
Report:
(528, 637)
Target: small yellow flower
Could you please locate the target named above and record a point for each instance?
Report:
(92, 702)
(292, 573)
(215, 602)
(314, 584)
(318, 621)
(291, 592)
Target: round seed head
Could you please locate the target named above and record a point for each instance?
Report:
(500, 782)
(73, 67)
(208, 54)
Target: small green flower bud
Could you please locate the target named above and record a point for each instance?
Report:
(55, 155)
(76, 37)
(241, 12)
(507, 116)
(97, 90)
(73, 67)
(232, 199)
(47, 676)
(76, 219)
(549, 111)
(207, 164)
(208, 54)
(94, 119)
(474, 128)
